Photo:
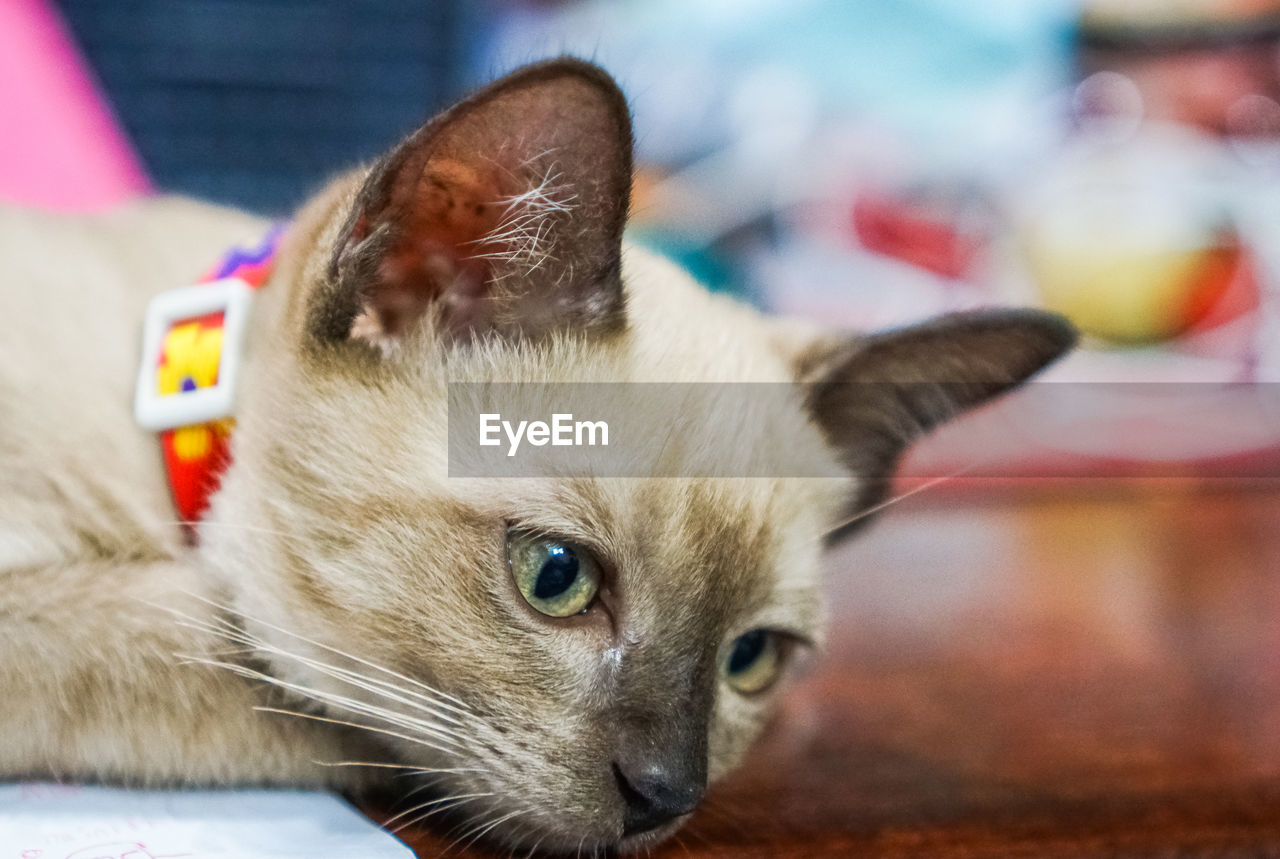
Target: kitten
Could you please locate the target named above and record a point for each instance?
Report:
(568, 661)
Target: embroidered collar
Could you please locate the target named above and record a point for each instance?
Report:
(193, 341)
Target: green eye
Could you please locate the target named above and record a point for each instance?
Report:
(558, 579)
(754, 661)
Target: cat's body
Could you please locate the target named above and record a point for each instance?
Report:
(353, 580)
(90, 551)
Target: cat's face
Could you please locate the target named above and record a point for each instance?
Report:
(572, 659)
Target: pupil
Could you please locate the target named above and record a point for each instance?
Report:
(746, 650)
(557, 575)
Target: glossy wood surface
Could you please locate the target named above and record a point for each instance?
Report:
(1084, 670)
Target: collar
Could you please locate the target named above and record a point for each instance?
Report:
(192, 348)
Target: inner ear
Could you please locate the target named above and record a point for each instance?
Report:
(504, 214)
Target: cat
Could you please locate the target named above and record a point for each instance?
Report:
(567, 662)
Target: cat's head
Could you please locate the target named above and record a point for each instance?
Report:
(574, 658)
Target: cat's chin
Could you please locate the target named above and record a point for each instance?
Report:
(648, 840)
(570, 840)
(570, 844)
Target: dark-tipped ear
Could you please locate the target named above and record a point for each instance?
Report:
(503, 214)
(873, 396)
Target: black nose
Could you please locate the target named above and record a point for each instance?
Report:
(656, 793)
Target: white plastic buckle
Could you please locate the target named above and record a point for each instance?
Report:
(156, 411)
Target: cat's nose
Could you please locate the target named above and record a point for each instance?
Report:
(657, 792)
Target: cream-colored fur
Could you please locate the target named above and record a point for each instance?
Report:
(348, 613)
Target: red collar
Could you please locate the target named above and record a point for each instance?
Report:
(193, 341)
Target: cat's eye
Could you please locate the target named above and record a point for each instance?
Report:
(755, 659)
(557, 578)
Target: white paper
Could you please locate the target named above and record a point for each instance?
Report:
(47, 821)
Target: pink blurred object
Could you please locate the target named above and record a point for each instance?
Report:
(60, 146)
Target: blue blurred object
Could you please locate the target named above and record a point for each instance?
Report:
(753, 110)
(940, 69)
(257, 102)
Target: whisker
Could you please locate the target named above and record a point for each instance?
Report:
(460, 707)
(371, 728)
(432, 782)
(432, 802)
(534, 848)
(413, 769)
(484, 828)
(350, 703)
(876, 508)
(226, 629)
(341, 701)
(443, 808)
(422, 728)
(427, 783)
(376, 686)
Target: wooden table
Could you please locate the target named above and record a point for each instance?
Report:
(1083, 670)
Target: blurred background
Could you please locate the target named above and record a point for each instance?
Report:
(867, 164)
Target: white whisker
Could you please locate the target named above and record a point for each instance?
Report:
(340, 701)
(437, 810)
(432, 802)
(372, 729)
(889, 502)
(256, 645)
(418, 727)
(374, 686)
(481, 829)
(449, 701)
(412, 768)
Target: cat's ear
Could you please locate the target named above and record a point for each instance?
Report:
(872, 396)
(504, 214)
